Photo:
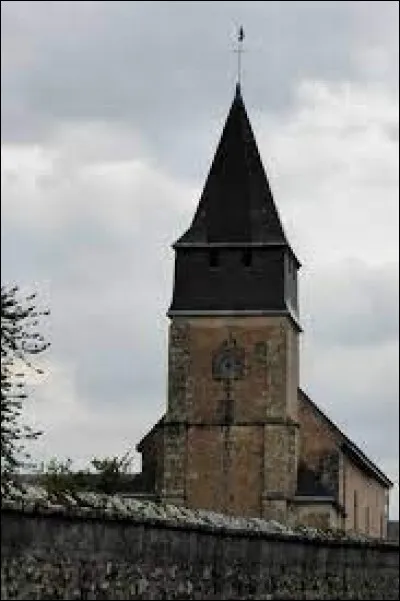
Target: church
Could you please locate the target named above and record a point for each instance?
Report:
(239, 435)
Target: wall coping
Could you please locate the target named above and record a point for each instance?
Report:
(102, 508)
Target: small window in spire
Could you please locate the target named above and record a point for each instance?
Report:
(214, 258)
(247, 257)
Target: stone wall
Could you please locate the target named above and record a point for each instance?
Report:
(316, 437)
(236, 448)
(362, 496)
(365, 501)
(62, 554)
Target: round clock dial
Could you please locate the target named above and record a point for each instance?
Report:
(228, 363)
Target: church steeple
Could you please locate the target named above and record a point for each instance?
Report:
(235, 255)
(230, 439)
(236, 206)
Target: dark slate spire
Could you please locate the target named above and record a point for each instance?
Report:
(235, 258)
(236, 206)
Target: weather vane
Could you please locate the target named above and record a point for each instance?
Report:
(239, 50)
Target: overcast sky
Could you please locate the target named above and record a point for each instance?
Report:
(111, 112)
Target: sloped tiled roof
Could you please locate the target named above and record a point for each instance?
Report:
(236, 206)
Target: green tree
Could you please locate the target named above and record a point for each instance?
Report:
(110, 476)
(20, 341)
(58, 478)
(112, 472)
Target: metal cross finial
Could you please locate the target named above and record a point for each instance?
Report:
(239, 51)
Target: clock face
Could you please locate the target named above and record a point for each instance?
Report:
(228, 363)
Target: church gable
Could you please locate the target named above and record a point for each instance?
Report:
(325, 435)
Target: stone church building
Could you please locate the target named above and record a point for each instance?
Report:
(239, 436)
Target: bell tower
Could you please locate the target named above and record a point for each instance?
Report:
(230, 431)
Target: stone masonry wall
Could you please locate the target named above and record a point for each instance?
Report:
(65, 556)
(362, 496)
(236, 450)
(365, 502)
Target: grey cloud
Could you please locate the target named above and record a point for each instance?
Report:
(352, 303)
(108, 292)
(157, 64)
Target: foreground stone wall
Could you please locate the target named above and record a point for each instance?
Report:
(58, 553)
